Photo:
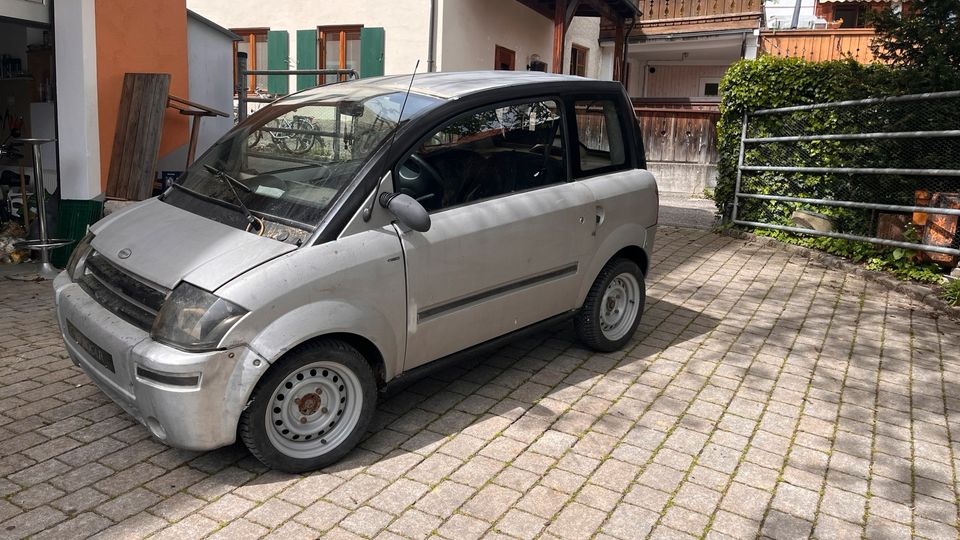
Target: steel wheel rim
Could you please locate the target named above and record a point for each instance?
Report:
(619, 306)
(314, 409)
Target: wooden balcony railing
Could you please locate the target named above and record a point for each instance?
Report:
(673, 16)
(820, 45)
(680, 9)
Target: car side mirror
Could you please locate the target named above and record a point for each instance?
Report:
(407, 210)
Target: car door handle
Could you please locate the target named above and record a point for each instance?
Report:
(600, 217)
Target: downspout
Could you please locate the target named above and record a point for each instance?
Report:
(432, 45)
(795, 21)
(626, 52)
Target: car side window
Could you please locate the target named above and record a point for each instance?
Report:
(600, 137)
(484, 154)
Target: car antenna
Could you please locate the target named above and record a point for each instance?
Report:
(368, 211)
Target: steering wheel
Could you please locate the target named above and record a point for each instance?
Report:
(426, 184)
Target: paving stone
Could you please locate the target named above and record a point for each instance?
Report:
(82, 526)
(222, 482)
(398, 496)
(35, 496)
(128, 479)
(684, 520)
(177, 507)
(520, 524)
(831, 527)
(292, 530)
(843, 504)
(491, 502)
(629, 521)
(83, 476)
(266, 485)
(31, 522)
(79, 501)
(796, 500)
(445, 498)
(415, 524)
(321, 515)
(240, 529)
(128, 504)
(271, 513)
(576, 521)
(193, 526)
(780, 525)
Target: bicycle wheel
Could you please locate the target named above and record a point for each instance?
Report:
(299, 142)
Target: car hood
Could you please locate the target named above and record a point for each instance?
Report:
(164, 244)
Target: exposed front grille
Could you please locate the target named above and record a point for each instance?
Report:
(101, 356)
(126, 296)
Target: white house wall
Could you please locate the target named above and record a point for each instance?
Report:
(471, 30)
(584, 32)
(405, 24)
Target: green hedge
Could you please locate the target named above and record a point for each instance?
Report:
(771, 82)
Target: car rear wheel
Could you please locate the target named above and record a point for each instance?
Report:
(613, 307)
(311, 408)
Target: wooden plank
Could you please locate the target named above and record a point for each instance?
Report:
(115, 183)
(137, 140)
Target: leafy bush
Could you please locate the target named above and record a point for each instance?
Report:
(773, 82)
(951, 293)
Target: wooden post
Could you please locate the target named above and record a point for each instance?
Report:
(559, 34)
(343, 52)
(618, 52)
(252, 64)
(194, 135)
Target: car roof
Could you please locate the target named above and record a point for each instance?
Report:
(456, 84)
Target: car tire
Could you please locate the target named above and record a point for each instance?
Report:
(613, 307)
(310, 408)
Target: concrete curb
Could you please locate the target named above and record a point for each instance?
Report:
(915, 291)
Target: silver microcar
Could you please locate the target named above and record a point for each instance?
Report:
(350, 237)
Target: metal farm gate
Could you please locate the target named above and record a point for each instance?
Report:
(881, 170)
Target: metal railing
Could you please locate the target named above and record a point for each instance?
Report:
(243, 74)
(868, 156)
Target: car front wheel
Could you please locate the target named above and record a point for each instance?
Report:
(311, 408)
(613, 307)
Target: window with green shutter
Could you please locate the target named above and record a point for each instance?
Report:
(306, 57)
(278, 57)
(371, 52)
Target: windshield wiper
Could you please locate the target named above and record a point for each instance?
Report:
(232, 182)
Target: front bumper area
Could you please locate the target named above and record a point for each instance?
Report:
(187, 400)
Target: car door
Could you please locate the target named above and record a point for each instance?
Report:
(509, 232)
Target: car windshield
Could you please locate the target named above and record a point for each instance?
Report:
(292, 159)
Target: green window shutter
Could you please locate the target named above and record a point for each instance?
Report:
(306, 57)
(371, 52)
(278, 55)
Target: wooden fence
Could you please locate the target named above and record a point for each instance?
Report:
(819, 45)
(678, 130)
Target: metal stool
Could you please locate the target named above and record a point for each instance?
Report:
(44, 244)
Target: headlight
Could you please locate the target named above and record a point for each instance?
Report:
(79, 254)
(195, 320)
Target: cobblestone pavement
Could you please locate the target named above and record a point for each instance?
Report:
(678, 210)
(763, 395)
